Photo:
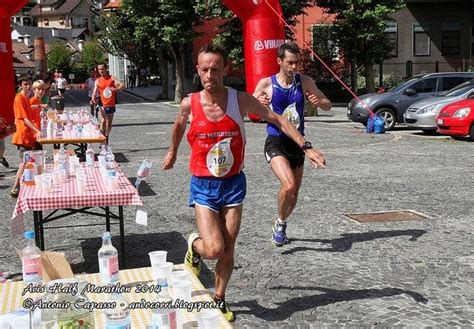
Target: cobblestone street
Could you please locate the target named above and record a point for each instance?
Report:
(336, 272)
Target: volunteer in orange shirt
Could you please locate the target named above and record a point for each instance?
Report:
(26, 131)
(107, 86)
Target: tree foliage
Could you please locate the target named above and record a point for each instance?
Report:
(156, 30)
(359, 29)
(60, 56)
(230, 33)
(92, 55)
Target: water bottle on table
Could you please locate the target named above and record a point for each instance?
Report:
(89, 156)
(164, 317)
(31, 260)
(108, 261)
(119, 316)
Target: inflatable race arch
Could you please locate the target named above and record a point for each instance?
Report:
(263, 34)
(7, 80)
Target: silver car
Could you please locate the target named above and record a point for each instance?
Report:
(422, 114)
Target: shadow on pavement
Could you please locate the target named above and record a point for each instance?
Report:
(137, 247)
(143, 124)
(121, 158)
(329, 296)
(144, 189)
(347, 240)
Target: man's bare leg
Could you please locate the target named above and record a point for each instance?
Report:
(290, 182)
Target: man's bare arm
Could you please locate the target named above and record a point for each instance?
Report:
(252, 105)
(177, 133)
(94, 93)
(118, 84)
(314, 95)
(261, 92)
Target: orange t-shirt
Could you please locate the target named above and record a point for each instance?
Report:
(107, 96)
(24, 135)
(36, 111)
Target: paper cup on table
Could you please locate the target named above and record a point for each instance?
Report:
(157, 257)
(56, 177)
(46, 182)
(180, 275)
(208, 318)
(63, 176)
(161, 270)
(182, 290)
(38, 181)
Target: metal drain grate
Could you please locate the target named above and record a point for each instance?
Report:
(386, 216)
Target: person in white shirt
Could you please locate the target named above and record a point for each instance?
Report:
(90, 83)
(61, 84)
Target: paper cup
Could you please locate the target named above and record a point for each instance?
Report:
(38, 181)
(157, 257)
(180, 275)
(208, 318)
(161, 270)
(56, 177)
(46, 182)
(63, 176)
(182, 290)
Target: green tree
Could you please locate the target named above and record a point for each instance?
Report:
(60, 56)
(230, 36)
(359, 30)
(92, 55)
(156, 29)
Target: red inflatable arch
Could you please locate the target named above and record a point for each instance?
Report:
(7, 80)
(263, 34)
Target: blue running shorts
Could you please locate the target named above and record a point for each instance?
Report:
(109, 110)
(217, 193)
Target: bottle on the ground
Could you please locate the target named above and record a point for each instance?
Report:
(108, 261)
(31, 260)
(164, 317)
(118, 317)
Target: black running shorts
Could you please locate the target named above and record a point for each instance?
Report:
(285, 147)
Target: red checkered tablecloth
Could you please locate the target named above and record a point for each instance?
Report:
(66, 195)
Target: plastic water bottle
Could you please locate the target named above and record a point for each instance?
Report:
(118, 317)
(108, 261)
(89, 155)
(50, 133)
(110, 168)
(44, 123)
(62, 160)
(31, 260)
(142, 172)
(165, 317)
(29, 171)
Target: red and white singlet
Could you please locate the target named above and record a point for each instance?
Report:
(217, 148)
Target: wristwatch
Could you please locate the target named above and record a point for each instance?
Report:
(306, 146)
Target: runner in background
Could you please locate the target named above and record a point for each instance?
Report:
(106, 86)
(284, 93)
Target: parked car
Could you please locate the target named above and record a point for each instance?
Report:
(391, 105)
(457, 119)
(422, 114)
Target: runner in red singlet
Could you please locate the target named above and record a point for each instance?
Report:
(218, 186)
